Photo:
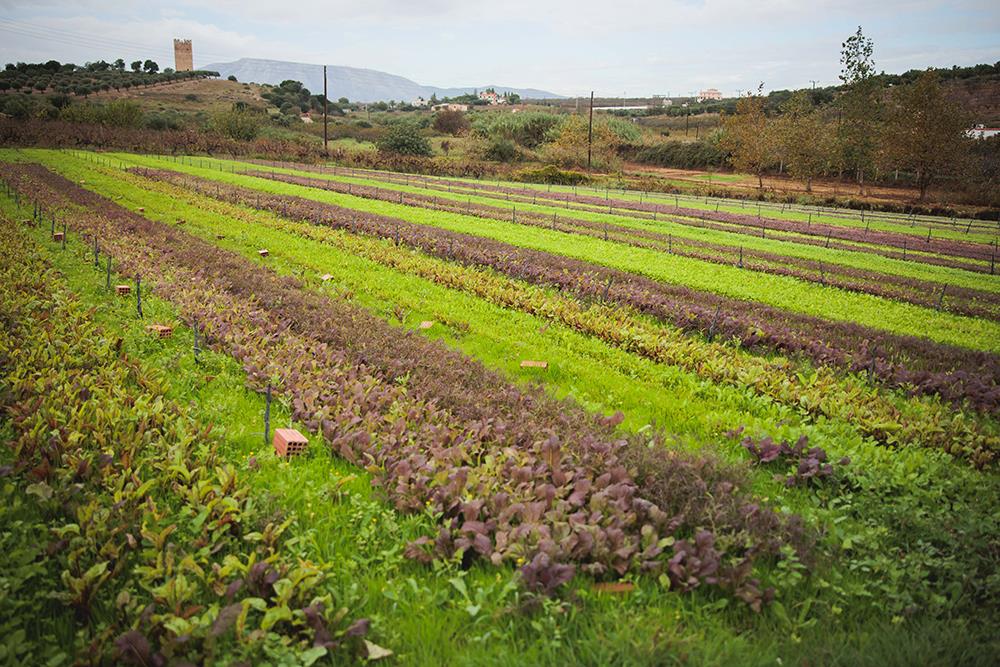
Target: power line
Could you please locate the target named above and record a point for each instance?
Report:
(91, 41)
(80, 37)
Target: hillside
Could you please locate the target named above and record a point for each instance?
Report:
(355, 83)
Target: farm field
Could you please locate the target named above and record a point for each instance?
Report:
(750, 436)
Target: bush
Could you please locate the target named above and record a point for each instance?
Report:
(241, 124)
(551, 174)
(682, 155)
(405, 139)
(525, 129)
(501, 150)
(451, 122)
(231, 77)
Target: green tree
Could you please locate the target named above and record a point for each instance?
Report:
(120, 65)
(405, 139)
(150, 67)
(136, 65)
(240, 123)
(804, 139)
(122, 113)
(748, 137)
(859, 106)
(925, 131)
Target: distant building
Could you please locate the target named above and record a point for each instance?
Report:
(709, 94)
(981, 132)
(450, 106)
(419, 102)
(183, 58)
(491, 97)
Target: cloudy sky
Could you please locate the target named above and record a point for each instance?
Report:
(565, 46)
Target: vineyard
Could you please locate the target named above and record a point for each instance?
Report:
(546, 424)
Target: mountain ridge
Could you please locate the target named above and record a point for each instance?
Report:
(357, 84)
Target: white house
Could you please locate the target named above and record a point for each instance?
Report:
(492, 97)
(450, 106)
(419, 102)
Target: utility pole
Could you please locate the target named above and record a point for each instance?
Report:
(590, 130)
(326, 104)
(813, 83)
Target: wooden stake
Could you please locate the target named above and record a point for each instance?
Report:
(138, 294)
(267, 415)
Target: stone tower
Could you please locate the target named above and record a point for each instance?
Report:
(183, 59)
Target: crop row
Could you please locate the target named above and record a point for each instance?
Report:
(916, 249)
(121, 524)
(959, 228)
(817, 392)
(734, 222)
(962, 300)
(954, 373)
(515, 475)
(781, 292)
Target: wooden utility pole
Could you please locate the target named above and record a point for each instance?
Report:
(326, 104)
(590, 130)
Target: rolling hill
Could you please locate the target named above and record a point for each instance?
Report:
(355, 83)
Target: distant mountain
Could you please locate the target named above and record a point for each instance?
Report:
(354, 83)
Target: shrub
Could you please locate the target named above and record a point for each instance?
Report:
(240, 123)
(405, 139)
(551, 174)
(451, 122)
(501, 150)
(525, 129)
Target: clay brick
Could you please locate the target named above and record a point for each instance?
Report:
(289, 442)
(141, 209)
(123, 290)
(534, 364)
(325, 277)
(181, 221)
(57, 236)
(161, 330)
(426, 324)
(262, 252)
(219, 236)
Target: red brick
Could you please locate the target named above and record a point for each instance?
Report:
(160, 330)
(289, 442)
(534, 364)
(123, 290)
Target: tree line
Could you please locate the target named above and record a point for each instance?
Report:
(870, 127)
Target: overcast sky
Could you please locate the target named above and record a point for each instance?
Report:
(565, 46)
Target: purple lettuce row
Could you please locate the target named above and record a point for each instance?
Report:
(918, 365)
(516, 476)
(963, 301)
(749, 224)
(807, 465)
